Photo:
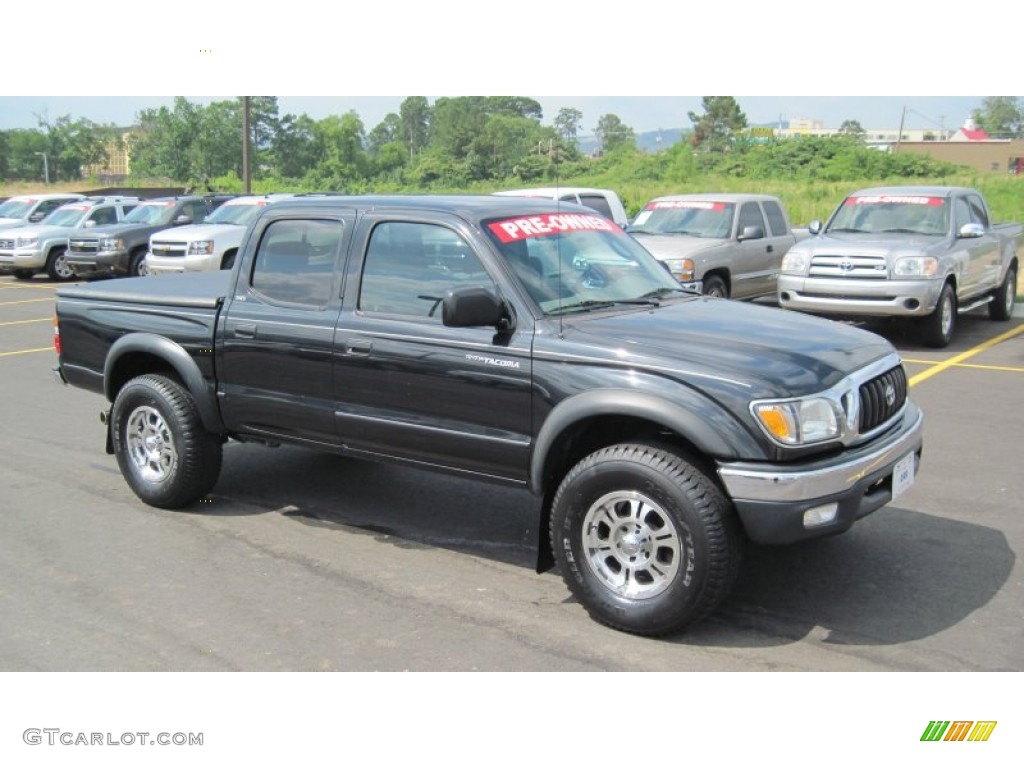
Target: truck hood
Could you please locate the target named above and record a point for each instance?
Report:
(192, 232)
(121, 228)
(756, 350)
(191, 289)
(677, 246)
(47, 231)
(11, 223)
(852, 243)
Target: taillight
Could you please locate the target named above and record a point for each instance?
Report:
(56, 335)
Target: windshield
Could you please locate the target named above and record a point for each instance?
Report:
(574, 262)
(696, 218)
(15, 209)
(905, 214)
(150, 213)
(238, 213)
(66, 217)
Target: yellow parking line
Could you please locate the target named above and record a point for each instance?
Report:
(23, 301)
(957, 359)
(27, 351)
(958, 365)
(22, 322)
(16, 286)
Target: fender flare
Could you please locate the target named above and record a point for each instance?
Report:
(174, 355)
(711, 428)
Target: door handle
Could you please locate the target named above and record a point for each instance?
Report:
(359, 348)
(246, 330)
(770, 248)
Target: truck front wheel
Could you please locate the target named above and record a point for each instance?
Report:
(936, 330)
(644, 539)
(162, 448)
(1001, 307)
(57, 267)
(715, 286)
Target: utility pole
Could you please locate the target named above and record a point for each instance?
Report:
(246, 172)
(899, 136)
(46, 167)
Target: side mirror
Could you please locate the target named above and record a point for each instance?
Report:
(815, 227)
(972, 230)
(751, 233)
(471, 307)
(182, 219)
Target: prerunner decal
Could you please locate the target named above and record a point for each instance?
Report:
(898, 199)
(706, 205)
(511, 230)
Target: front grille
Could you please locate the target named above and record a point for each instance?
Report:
(84, 246)
(862, 267)
(882, 398)
(167, 249)
(6, 244)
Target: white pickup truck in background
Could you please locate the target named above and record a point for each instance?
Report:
(728, 245)
(923, 253)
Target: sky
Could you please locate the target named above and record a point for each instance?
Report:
(642, 113)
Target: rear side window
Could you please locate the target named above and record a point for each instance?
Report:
(295, 261)
(977, 210)
(599, 204)
(776, 219)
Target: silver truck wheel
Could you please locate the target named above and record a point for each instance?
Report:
(57, 266)
(165, 454)
(645, 540)
(936, 330)
(1001, 307)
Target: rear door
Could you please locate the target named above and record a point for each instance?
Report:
(408, 387)
(276, 338)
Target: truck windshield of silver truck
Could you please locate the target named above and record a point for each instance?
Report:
(696, 218)
(905, 214)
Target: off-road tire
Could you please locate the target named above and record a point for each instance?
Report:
(165, 454)
(645, 540)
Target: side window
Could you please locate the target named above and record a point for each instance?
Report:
(750, 216)
(128, 208)
(776, 219)
(570, 198)
(599, 204)
(977, 210)
(45, 209)
(295, 261)
(410, 266)
(961, 212)
(195, 211)
(106, 215)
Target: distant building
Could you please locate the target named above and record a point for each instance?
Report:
(970, 132)
(118, 164)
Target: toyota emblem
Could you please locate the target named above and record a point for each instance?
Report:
(846, 265)
(890, 395)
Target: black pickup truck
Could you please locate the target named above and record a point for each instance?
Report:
(521, 341)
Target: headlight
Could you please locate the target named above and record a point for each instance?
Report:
(200, 247)
(916, 266)
(111, 244)
(681, 269)
(26, 242)
(801, 422)
(795, 263)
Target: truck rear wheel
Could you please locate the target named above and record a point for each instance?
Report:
(162, 448)
(936, 330)
(1001, 307)
(644, 539)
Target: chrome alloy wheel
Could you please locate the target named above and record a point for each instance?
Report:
(631, 545)
(150, 445)
(947, 315)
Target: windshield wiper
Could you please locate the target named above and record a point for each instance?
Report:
(846, 229)
(584, 305)
(903, 231)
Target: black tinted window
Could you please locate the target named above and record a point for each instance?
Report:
(598, 203)
(104, 216)
(410, 266)
(295, 261)
(750, 216)
(776, 219)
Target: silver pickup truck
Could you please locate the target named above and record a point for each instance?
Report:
(728, 245)
(924, 253)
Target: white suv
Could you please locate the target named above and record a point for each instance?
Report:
(207, 246)
(28, 209)
(604, 201)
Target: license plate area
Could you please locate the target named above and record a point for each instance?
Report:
(903, 474)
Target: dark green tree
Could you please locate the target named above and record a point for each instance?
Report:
(611, 132)
(713, 129)
(1002, 117)
(567, 122)
(415, 114)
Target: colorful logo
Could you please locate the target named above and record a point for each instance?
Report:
(959, 730)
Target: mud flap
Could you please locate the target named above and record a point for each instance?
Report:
(105, 419)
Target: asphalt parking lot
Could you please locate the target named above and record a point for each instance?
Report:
(306, 561)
